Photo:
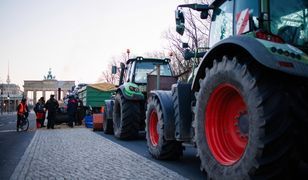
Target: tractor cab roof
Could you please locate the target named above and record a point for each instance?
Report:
(139, 58)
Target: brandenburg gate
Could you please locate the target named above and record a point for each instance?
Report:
(34, 89)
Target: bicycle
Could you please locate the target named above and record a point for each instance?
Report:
(24, 124)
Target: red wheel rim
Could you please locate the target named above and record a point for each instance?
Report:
(226, 142)
(153, 128)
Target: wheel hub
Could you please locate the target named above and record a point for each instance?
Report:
(243, 123)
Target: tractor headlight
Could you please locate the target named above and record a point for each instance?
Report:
(135, 89)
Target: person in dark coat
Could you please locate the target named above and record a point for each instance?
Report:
(71, 110)
(52, 106)
(80, 112)
(39, 110)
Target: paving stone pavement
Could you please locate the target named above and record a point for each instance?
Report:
(79, 153)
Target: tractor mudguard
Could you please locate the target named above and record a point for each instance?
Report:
(281, 57)
(165, 100)
(129, 94)
(109, 108)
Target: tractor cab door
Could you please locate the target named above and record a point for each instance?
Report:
(222, 22)
(129, 72)
(233, 18)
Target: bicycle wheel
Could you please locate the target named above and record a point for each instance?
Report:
(24, 124)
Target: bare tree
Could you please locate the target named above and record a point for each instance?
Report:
(197, 36)
(156, 54)
(196, 33)
(107, 76)
(175, 49)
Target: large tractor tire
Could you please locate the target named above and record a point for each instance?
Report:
(159, 147)
(243, 125)
(107, 124)
(299, 95)
(126, 118)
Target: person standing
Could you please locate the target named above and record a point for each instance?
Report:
(80, 111)
(71, 110)
(52, 106)
(39, 110)
(44, 114)
(22, 112)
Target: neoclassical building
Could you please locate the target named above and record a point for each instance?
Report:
(34, 89)
(10, 97)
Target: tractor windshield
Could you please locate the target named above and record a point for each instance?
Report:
(289, 20)
(143, 68)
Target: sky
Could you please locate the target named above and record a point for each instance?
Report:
(77, 38)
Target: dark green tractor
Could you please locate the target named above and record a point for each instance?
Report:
(246, 106)
(125, 112)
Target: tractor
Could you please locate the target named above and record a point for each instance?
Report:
(245, 107)
(125, 111)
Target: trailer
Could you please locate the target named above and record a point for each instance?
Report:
(93, 97)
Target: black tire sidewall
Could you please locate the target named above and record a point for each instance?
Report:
(108, 123)
(154, 150)
(126, 118)
(117, 123)
(165, 149)
(105, 122)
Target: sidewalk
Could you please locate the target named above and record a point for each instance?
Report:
(79, 153)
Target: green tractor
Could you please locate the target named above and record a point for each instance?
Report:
(125, 112)
(245, 107)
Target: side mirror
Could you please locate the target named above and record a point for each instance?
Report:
(216, 13)
(114, 70)
(185, 45)
(204, 14)
(188, 54)
(180, 22)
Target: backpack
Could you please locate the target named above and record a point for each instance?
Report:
(38, 107)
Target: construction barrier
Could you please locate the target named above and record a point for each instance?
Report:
(98, 122)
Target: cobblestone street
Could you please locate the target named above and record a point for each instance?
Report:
(79, 153)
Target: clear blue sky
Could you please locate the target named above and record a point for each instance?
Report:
(77, 38)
